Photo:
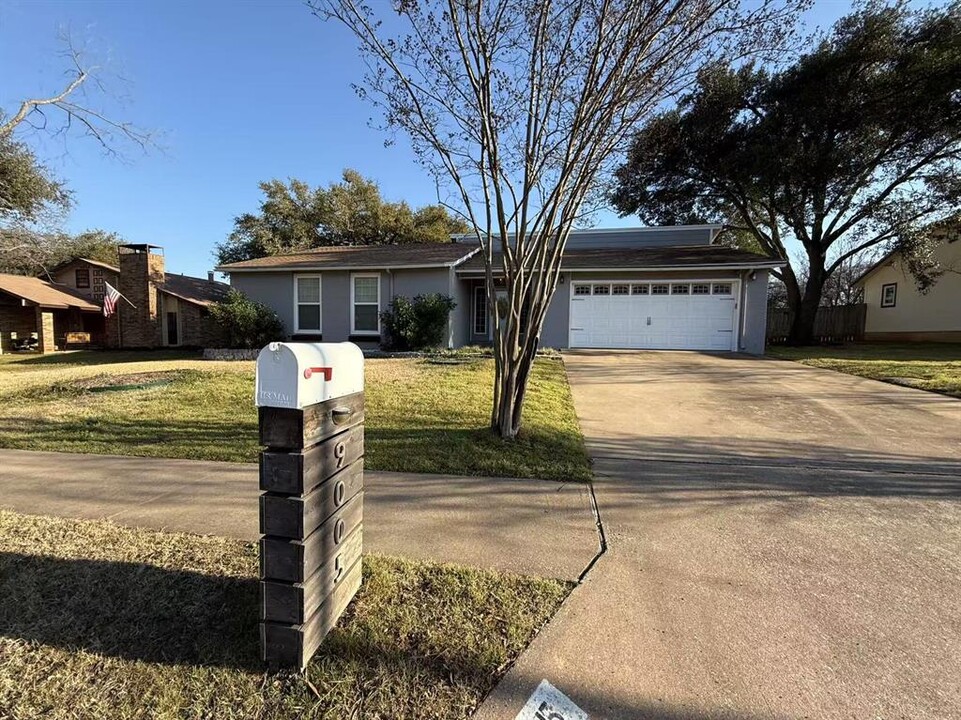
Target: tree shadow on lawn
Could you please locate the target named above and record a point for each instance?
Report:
(130, 610)
(141, 612)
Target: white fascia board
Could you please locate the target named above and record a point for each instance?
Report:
(648, 269)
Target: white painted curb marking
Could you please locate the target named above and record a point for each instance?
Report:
(549, 703)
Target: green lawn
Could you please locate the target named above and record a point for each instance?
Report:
(422, 416)
(102, 621)
(927, 366)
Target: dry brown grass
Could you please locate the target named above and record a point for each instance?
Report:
(102, 621)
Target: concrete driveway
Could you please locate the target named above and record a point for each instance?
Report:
(784, 542)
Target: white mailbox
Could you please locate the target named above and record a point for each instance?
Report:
(295, 375)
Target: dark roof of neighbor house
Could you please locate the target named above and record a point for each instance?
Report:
(655, 258)
(96, 263)
(358, 257)
(194, 290)
(45, 294)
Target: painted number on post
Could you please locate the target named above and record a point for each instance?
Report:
(340, 452)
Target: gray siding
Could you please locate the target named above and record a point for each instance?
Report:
(754, 312)
(460, 318)
(640, 237)
(273, 289)
(555, 332)
(409, 283)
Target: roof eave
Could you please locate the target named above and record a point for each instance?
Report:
(336, 268)
(665, 268)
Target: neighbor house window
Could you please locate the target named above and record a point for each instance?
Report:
(365, 304)
(480, 310)
(82, 276)
(307, 300)
(889, 295)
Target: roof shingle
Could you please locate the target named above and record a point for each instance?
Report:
(692, 256)
(195, 290)
(45, 294)
(361, 257)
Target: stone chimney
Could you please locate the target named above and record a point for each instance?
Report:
(141, 273)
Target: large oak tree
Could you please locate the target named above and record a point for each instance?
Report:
(295, 216)
(852, 149)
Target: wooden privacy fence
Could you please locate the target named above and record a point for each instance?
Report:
(843, 323)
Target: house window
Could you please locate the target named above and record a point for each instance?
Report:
(582, 289)
(660, 289)
(722, 288)
(602, 289)
(889, 295)
(640, 289)
(307, 299)
(700, 289)
(82, 277)
(365, 304)
(97, 273)
(684, 289)
(621, 290)
(480, 310)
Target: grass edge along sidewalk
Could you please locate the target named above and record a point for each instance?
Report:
(935, 367)
(100, 620)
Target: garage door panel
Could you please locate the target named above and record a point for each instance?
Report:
(662, 319)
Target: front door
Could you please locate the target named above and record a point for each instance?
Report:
(172, 338)
(171, 321)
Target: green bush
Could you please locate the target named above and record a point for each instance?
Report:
(418, 324)
(247, 324)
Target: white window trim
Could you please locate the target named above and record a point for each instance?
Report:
(353, 322)
(320, 291)
(480, 299)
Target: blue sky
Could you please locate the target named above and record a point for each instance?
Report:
(240, 92)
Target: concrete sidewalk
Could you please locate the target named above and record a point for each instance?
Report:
(534, 527)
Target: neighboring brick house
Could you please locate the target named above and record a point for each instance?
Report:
(171, 310)
(86, 277)
(33, 308)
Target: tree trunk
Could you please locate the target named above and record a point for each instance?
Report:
(805, 314)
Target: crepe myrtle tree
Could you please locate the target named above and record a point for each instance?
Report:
(850, 151)
(519, 107)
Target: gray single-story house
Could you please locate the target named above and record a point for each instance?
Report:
(653, 287)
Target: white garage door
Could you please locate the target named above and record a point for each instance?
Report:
(655, 315)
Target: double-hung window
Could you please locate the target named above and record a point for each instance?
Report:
(365, 304)
(307, 304)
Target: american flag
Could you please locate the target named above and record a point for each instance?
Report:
(110, 297)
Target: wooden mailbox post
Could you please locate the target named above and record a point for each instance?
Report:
(310, 399)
